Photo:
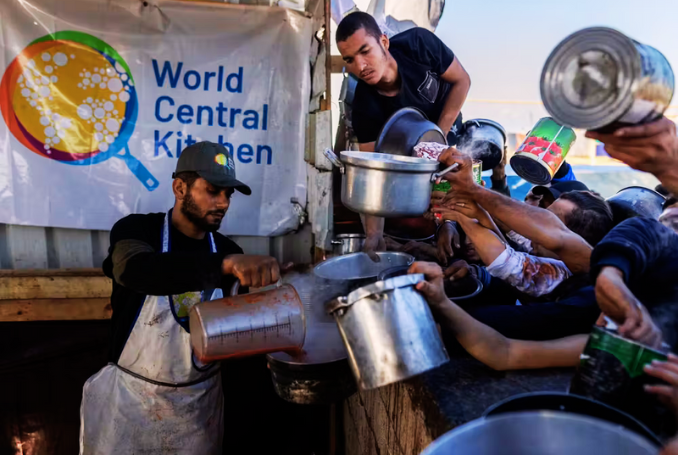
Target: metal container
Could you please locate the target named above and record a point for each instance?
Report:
(470, 287)
(566, 402)
(543, 151)
(388, 331)
(318, 373)
(359, 266)
(611, 369)
(249, 324)
(484, 140)
(347, 244)
(386, 185)
(539, 433)
(598, 78)
(636, 201)
(406, 128)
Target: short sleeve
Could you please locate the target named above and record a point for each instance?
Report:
(364, 121)
(430, 50)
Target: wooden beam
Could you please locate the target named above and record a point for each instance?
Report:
(337, 65)
(55, 309)
(53, 284)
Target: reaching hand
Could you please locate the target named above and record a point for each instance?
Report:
(374, 243)
(618, 302)
(448, 240)
(462, 177)
(458, 270)
(652, 147)
(667, 371)
(253, 271)
(432, 289)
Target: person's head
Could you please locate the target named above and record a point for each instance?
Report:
(204, 182)
(363, 47)
(669, 216)
(584, 213)
(544, 196)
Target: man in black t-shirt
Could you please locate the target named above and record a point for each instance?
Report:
(412, 69)
(161, 265)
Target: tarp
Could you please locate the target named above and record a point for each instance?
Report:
(99, 97)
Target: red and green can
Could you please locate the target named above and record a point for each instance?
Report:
(543, 151)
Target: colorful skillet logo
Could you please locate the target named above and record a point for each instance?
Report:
(70, 97)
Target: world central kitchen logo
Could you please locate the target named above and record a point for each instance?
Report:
(70, 97)
(175, 76)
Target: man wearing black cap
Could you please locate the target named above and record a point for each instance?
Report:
(154, 394)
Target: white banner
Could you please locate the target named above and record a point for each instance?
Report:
(99, 97)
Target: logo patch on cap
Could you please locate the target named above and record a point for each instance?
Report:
(222, 160)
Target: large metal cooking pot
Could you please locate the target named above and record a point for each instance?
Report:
(388, 331)
(388, 186)
(485, 140)
(567, 402)
(539, 433)
(406, 128)
(636, 201)
(347, 244)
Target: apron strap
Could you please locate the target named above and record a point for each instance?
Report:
(211, 374)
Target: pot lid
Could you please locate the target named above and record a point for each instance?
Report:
(373, 160)
(350, 236)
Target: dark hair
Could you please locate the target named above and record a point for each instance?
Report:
(661, 190)
(670, 200)
(354, 22)
(187, 176)
(592, 219)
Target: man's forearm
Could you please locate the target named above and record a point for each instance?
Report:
(140, 268)
(453, 104)
(669, 179)
(486, 243)
(373, 225)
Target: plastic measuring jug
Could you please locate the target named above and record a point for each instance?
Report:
(249, 324)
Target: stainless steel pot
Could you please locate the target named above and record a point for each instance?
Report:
(388, 331)
(406, 128)
(347, 244)
(484, 140)
(636, 201)
(389, 186)
(538, 433)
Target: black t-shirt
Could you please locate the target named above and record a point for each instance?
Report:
(189, 266)
(422, 58)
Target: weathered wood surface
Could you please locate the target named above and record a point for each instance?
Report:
(55, 309)
(404, 418)
(54, 287)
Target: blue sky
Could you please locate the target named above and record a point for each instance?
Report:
(504, 44)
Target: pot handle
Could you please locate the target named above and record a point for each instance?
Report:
(329, 154)
(340, 303)
(236, 287)
(437, 175)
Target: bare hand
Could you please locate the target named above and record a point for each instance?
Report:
(462, 177)
(651, 147)
(459, 270)
(420, 250)
(448, 239)
(618, 302)
(432, 289)
(374, 243)
(252, 270)
(667, 371)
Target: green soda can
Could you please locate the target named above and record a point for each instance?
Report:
(478, 171)
(443, 186)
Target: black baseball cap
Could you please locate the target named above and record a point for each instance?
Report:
(213, 163)
(559, 188)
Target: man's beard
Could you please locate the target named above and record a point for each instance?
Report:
(192, 212)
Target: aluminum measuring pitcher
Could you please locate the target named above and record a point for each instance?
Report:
(250, 324)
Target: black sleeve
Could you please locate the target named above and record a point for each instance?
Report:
(430, 50)
(136, 265)
(632, 246)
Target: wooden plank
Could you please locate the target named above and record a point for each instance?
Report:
(55, 309)
(54, 287)
(84, 272)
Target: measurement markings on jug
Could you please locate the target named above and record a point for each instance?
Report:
(251, 332)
